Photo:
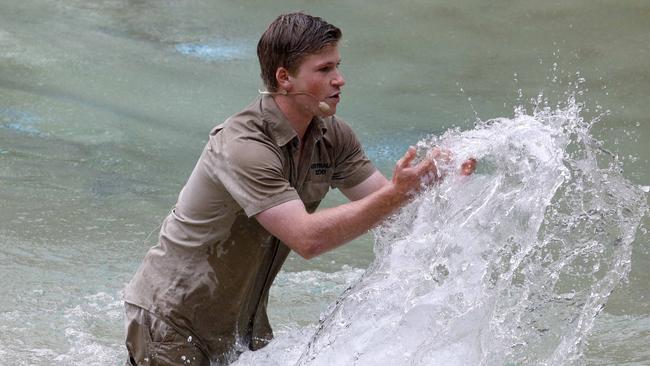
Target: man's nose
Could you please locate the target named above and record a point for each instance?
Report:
(338, 80)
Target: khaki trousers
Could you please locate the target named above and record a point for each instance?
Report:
(150, 341)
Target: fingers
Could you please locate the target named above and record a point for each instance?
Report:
(426, 167)
(427, 171)
(408, 157)
(468, 167)
(440, 154)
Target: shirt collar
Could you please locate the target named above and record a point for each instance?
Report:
(281, 128)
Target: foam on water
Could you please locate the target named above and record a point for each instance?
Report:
(20, 121)
(88, 330)
(85, 335)
(509, 266)
(216, 51)
(84, 322)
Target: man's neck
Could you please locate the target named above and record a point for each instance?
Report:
(298, 118)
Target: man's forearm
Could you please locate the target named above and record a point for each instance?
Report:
(312, 234)
(332, 227)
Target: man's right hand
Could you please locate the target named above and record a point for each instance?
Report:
(408, 180)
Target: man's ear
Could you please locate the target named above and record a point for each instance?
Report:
(283, 78)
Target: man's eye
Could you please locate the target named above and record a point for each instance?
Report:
(329, 68)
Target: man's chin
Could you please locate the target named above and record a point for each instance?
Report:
(329, 113)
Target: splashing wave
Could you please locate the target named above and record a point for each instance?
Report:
(509, 266)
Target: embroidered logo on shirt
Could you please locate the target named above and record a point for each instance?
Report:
(320, 168)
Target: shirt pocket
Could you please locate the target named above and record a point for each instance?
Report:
(316, 186)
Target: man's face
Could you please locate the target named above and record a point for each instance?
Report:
(319, 75)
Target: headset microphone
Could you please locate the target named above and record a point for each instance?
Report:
(322, 106)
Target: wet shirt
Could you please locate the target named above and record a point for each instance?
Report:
(211, 271)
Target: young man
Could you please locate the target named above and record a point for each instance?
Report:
(201, 294)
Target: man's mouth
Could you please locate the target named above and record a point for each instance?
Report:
(336, 96)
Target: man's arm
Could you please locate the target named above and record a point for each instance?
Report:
(310, 235)
(371, 184)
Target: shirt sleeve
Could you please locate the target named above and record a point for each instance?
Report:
(351, 166)
(250, 169)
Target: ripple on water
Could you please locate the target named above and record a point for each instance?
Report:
(21, 121)
(216, 51)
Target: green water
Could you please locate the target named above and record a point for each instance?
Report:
(102, 116)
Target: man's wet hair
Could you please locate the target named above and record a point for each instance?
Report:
(288, 39)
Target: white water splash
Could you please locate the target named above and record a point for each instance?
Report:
(509, 266)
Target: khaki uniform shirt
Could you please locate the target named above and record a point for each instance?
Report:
(210, 274)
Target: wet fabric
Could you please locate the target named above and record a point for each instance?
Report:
(211, 272)
(150, 341)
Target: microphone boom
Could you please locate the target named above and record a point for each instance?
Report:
(322, 106)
